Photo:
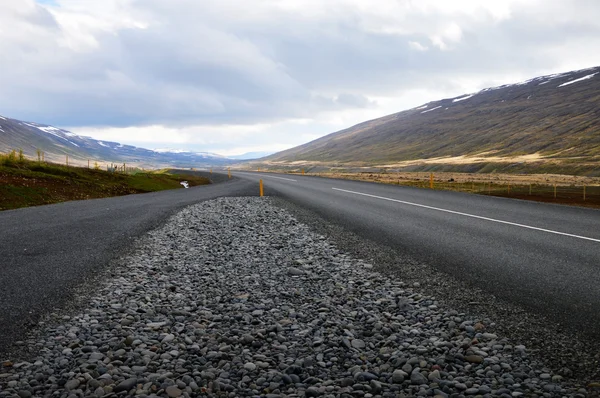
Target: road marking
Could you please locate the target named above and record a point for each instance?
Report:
(470, 215)
(280, 178)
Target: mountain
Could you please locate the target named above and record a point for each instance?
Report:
(251, 155)
(58, 143)
(548, 123)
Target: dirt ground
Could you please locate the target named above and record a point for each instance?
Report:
(494, 178)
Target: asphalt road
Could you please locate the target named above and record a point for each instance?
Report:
(543, 257)
(46, 251)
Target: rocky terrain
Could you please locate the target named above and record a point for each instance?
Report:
(235, 297)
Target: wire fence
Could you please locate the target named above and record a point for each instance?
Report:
(581, 195)
(15, 156)
(580, 191)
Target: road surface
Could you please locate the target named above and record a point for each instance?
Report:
(543, 257)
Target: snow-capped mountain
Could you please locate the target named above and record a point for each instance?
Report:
(189, 153)
(56, 143)
(251, 155)
(553, 118)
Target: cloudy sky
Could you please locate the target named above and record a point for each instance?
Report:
(233, 76)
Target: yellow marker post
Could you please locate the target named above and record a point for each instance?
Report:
(67, 156)
(229, 172)
(260, 185)
(584, 193)
(431, 181)
(302, 171)
(211, 170)
(529, 189)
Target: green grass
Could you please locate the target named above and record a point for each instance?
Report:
(26, 183)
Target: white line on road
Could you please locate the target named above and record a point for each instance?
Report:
(280, 178)
(470, 215)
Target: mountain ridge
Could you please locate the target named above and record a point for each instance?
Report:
(58, 143)
(552, 118)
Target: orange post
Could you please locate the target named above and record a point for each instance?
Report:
(229, 172)
(260, 185)
(584, 193)
(431, 180)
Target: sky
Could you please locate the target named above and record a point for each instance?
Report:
(236, 76)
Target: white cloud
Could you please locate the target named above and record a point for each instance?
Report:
(270, 73)
(415, 45)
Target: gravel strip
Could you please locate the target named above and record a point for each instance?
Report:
(234, 297)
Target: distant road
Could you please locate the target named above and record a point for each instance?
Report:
(544, 257)
(47, 250)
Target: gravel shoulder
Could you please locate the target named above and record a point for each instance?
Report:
(253, 297)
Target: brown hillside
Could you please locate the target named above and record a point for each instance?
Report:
(546, 120)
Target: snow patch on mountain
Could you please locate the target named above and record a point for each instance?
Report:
(52, 131)
(170, 150)
(463, 98)
(432, 109)
(579, 80)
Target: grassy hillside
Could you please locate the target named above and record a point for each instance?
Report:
(30, 183)
(552, 119)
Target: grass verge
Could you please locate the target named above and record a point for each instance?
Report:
(26, 183)
(559, 189)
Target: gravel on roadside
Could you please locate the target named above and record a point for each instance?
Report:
(235, 297)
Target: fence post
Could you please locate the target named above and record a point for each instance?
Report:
(67, 156)
(529, 189)
(584, 193)
(554, 191)
(229, 172)
(508, 191)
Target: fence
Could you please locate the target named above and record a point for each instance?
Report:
(582, 195)
(15, 156)
(571, 190)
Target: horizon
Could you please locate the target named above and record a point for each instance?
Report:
(205, 79)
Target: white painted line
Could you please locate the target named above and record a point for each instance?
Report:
(280, 178)
(470, 215)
